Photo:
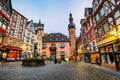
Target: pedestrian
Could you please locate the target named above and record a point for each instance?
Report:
(97, 61)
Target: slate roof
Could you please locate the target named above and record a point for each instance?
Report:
(55, 37)
(71, 25)
(90, 10)
(38, 26)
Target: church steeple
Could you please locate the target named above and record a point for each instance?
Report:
(39, 21)
(72, 35)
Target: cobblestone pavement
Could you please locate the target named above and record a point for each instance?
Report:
(63, 71)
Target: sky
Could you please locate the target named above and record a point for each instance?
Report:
(54, 14)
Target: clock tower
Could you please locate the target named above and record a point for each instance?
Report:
(72, 35)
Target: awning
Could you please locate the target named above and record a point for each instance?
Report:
(13, 48)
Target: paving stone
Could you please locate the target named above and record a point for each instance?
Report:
(63, 71)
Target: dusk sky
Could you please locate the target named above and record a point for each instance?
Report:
(54, 14)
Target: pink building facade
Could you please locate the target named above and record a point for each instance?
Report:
(57, 41)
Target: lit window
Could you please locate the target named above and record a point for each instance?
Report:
(9, 41)
(18, 44)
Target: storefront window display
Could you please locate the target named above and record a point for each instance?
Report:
(93, 57)
(116, 47)
(108, 48)
(110, 57)
(102, 50)
(4, 55)
(104, 58)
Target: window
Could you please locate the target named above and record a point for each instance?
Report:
(100, 31)
(117, 47)
(102, 50)
(9, 41)
(108, 48)
(27, 39)
(0, 7)
(21, 21)
(97, 17)
(18, 43)
(118, 21)
(4, 26)
(19, 35)
(31, 41)
(106, 27)
(21, 28)
(62, 45)
(44, 46)
(28, 33)
(117, 14)
(12, 32)
(110, 58)
(1, 38)
(44, 53)
(13, 24)
(0, 23)
(102, 12)
(118, 2)
(62, 53)
(52, 45)
(14, 17)
(104, 58)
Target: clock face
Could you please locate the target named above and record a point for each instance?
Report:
(1, 39)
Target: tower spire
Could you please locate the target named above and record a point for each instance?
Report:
(70, 18)
(39, 21)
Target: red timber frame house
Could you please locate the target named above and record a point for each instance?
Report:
(5, 13)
